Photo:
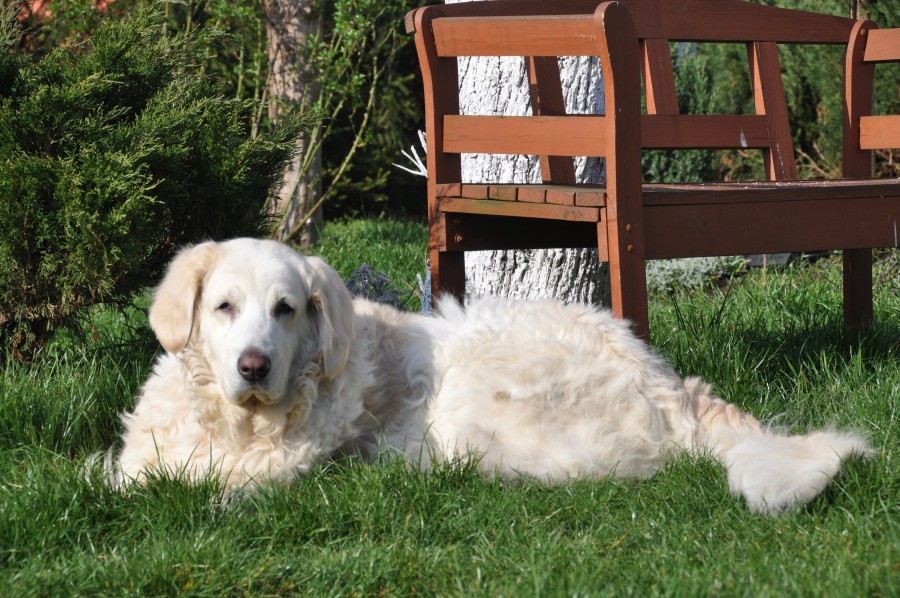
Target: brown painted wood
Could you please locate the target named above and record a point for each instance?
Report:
(857, 278)
(879, 132)
(533, 193)
(768, 93)
(689, 194)
(659, 79)
(883, 45)
(555, 29)
(586, 135)
(768, 192)
(448, 190)
(515, 36)
(747, 228)
(858, 101)
(441, 97)
(628, 221)
(545, 91)
(590, 195)
(857, 162)
(448, 266)
(563, 197)
(575, 135)
(502, 192)
(585, 194)
(519, 209)
(474, 232)
(620, 62)
(475, 191)
(698, 131)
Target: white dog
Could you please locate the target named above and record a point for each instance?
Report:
(271, 367)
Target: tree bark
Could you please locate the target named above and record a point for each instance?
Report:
(292, 83)
(499, 86)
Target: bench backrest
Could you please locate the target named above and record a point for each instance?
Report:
(863, 132)
(631, 45)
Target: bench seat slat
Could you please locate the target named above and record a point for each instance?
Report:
(680, 194)
(581, 195)
(782, 192)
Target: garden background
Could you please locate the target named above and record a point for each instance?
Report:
(128, 129)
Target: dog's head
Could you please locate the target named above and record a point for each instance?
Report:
(254, 310)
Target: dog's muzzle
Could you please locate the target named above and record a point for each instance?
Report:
(254, 365)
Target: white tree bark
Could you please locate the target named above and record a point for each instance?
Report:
(499, 86)
(289, 24)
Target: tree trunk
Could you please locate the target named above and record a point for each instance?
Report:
(499, 86)
(292, 84)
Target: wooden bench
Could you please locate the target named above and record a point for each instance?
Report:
(627, 220)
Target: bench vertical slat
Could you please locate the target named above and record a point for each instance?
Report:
(619, 53)
(768, 95)
(439, 76)
(545, 89)
(858, 102)
(659, 79)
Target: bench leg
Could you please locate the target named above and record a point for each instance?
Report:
(448, 274)
(628, 286)
(631, 306)
(857, 287)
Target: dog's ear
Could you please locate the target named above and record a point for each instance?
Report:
(176, 297)
(331, 308)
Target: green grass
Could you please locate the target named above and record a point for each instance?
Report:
(397, 249)
(774, 344)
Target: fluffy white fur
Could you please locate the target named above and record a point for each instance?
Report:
(534, 389)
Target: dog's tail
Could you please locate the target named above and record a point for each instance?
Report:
(772, 471)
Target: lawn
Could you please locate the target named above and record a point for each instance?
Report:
(771, 341)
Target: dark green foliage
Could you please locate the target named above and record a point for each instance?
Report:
(113, 153)
(372, 98)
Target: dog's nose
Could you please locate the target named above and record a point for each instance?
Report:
(254, 365)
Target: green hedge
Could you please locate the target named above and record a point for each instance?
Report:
(113, 153)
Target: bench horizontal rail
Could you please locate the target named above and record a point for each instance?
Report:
(559, 35)
(584, 135)
(879, 132)
(682, 194)
(575, 35)
(883, 46)
(479, 232)
(540, 135)
(770, 227)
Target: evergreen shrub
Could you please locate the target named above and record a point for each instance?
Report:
(113, 153)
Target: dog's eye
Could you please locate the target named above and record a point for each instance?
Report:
(282, 309)
(225, 307)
